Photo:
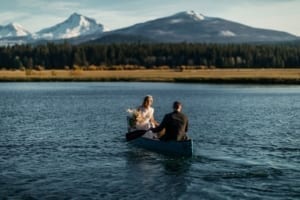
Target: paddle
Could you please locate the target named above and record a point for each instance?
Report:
(135, 134)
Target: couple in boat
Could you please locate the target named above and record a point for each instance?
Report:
(173, 126)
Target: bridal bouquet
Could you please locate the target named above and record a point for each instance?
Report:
(135, 116)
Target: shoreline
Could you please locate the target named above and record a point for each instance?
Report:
(218, 76)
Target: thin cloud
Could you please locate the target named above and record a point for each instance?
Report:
(40, 6)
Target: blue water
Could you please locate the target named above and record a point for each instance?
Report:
(66, 141)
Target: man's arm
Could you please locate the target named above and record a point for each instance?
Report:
(161, 126)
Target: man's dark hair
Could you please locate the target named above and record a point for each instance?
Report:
(176, 104)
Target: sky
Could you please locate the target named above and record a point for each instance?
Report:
(34, 15)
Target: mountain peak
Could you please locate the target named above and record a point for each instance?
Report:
(77, 19)
(75, 14)
(13, 30)
(191, 15)
(195, 15)
(76, 25)
(14, 25)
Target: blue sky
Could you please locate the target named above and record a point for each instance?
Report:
(37, 14)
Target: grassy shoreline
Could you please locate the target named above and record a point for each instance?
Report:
(256, 76)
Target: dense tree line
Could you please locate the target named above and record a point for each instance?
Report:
(66, 56)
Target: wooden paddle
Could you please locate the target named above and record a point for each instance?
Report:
(135, 134)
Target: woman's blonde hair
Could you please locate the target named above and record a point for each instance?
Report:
(147, 98)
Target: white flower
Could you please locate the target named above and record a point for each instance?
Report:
(135, 116)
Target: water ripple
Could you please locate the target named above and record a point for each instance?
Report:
(66, 141)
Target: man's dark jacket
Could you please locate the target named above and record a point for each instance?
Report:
(176, 126)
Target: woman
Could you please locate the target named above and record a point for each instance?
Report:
(146, 119)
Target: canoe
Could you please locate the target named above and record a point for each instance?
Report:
(176, 148)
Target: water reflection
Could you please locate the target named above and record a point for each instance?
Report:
(157, 173)
(177, 166)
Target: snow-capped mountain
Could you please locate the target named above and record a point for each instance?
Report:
(190, 26)
(13, 30)
(76, 25)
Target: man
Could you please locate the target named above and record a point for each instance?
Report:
(174, 123)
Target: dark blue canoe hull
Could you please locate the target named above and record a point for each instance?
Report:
(177, 148)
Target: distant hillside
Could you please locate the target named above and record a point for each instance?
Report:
(196, 28)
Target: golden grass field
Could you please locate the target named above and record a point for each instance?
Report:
(194, 75)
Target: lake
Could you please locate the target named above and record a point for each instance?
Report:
(66, 141)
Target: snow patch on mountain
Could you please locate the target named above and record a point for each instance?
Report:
(161, 32)
(227, 33)
(196, 16)
(175, 21)
(186, 16)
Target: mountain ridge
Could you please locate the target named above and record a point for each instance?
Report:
(13, 30)
(76, 25)
(186, 26)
